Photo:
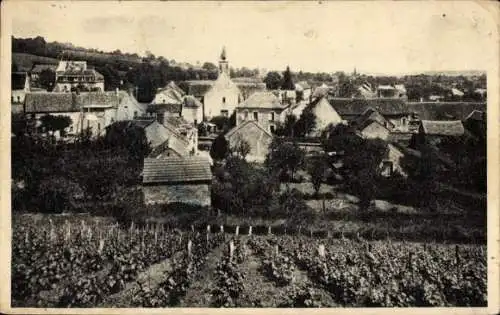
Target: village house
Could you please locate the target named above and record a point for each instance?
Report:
(255, 135)
(476, 124)
(172, 101)
(366, 91)
(433, 132)
(37, 70)
(166, 139)
(73, 74)
(324, 114)
(20, 85)
(392, 162)
(395, 111)
(444, 111)
(174, 180)
(87, 110)
(395, 92)
(265, 108)
(373, 129)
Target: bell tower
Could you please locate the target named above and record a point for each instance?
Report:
(223, 63)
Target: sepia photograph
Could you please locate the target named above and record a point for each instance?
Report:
(249, 154)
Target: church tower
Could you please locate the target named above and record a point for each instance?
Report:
(223, 63)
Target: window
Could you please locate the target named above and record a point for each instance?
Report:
(99, 126)
(403, 121)
(19, 99)
(196, 122)
(271, 116)
(387, 168)
(272, 129)
(224, 113)
(224, 100)
(71, 129)
(255, 116)
(245, 115)
(135, 114)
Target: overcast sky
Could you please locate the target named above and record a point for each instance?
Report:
(374, 37)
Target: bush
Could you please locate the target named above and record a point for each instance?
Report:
(56, 194)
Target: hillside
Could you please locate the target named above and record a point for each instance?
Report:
(26, 61)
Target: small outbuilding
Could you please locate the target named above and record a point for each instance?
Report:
(177, 180)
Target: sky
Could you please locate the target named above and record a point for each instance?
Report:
(373, 37)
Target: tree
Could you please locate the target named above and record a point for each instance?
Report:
(128, 136)
(222, 122)
(220, 148)
(306, 123)
(55, 123)
(286, 129)
(284, 158)
(317, 168)
(273, 80)
(47, 79)
(287, 83)
(241, 148)
(210, 66)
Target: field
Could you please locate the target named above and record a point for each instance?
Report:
(68, 261)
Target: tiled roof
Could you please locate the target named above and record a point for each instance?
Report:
(445, 110)
(191, 101)
(321, 91)
(100, 98)
(71, 102)
(18, 80)
(369, 122)
(371, 114)
(243, 125)
(476, 115)
(169, 108)
(39, 68)
(245, 80)
(443, 128)
(303, 84)
(352, 106)
(172, 170)
(143, 123)
(261, 100)
(400, 137)
(50, 102)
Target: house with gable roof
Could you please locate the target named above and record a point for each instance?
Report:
(71, 74)
(255, 135)
(173, 101)
(265, 108)
(325, 114)
(87, 110)
(174, 180)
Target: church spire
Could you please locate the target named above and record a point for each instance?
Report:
(223, 53)
(223, 63)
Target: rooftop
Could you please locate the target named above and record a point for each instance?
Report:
(173, 170)
(261, 100)
(443, 128)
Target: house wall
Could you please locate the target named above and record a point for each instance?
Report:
(17, 96)
(258, 140)
(374, 131)
(400, 122)
(223, 88)
(66, 86)
(192, 114)
(196, 194)
(395, 156)
(325, 115)
(264, 117)
(128, 108)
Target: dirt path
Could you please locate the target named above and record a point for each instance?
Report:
(200, 290)
(152, 276)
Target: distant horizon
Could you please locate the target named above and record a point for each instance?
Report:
(411, 38)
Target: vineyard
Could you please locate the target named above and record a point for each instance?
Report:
(90, 263)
